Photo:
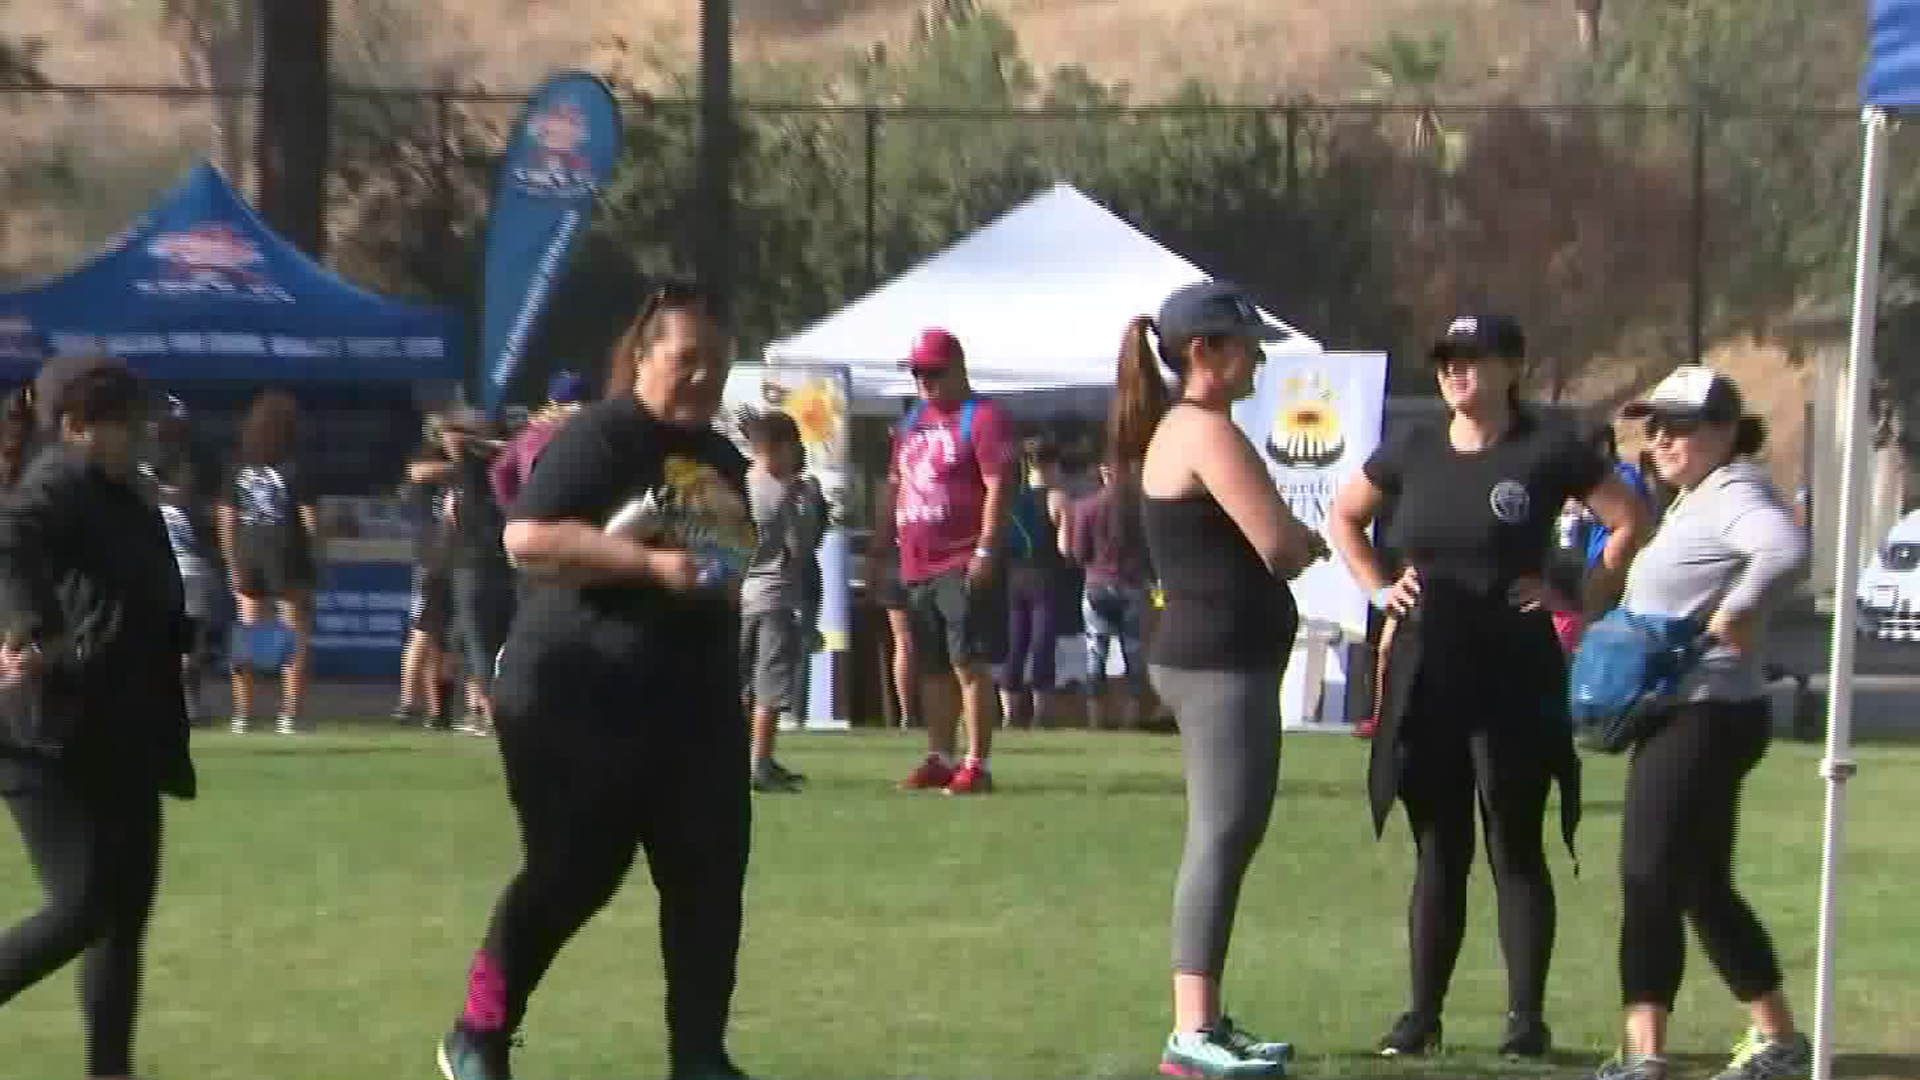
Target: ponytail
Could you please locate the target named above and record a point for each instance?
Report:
(1749, 436)
(1140, 399)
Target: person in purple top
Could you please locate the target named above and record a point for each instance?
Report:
(1104, 536)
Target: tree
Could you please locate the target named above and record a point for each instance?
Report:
(218, 45)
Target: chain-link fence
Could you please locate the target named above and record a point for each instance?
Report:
(1621, 236)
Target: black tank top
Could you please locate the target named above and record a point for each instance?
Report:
(1225, 611)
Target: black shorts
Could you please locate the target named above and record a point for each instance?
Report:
(275, 565)
(955, 626)
(428, 613)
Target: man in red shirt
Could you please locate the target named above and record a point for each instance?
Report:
(943, 505)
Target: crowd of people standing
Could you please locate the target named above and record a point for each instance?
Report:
(625, 551)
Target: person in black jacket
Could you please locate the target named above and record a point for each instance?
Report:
(93, 724)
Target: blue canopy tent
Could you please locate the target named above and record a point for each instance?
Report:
(1890, 83)
(202, 290)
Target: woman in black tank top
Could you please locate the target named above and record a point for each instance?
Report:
(1225, 545)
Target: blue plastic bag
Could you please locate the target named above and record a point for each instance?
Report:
(263, 648)
(1626, 675)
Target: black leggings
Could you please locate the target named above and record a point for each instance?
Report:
(1676, 855)
(97, 851)
(1505, 772)
(585, 808)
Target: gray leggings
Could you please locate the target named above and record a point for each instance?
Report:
(1230, 738)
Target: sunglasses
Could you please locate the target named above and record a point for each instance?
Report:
(1678, 427)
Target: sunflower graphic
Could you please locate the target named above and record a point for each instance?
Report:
(1307, 433)
(816, 409)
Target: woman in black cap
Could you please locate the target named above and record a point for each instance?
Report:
(618, 701)
(1473, 709)
(93, 725)
(1225, 545)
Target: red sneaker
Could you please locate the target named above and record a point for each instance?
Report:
(971, 779)
(930, 775)
(1366, 729)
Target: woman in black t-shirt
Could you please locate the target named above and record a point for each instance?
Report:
(267, 525)
(617, 702)
(1473, 706)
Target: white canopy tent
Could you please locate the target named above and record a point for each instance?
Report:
(1039, 297)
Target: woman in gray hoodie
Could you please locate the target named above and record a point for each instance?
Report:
(1724, 553)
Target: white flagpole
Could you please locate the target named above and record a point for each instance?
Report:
(1838, 766)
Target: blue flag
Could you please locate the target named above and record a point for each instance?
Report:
(559, 157)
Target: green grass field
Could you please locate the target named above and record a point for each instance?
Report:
(321, 899)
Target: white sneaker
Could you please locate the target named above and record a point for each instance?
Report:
(238, 725)
(286, 726)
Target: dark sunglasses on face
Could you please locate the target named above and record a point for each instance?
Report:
(1677, 426)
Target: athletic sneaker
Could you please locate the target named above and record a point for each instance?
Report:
(931, 775)
(286, 726)
(1413, 1035)
(238, 725)
(1757, 1057)
(970, 779)
(770, 779)
(1210, 1053)
(1250, 1045)
(1528, 1036)
(1633, 1067)
(465, 1055)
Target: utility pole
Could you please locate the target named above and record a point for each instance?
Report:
(293, 148)
(716, 150)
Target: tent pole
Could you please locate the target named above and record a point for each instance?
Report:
(1838, 766)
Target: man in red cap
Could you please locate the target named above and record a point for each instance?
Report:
(942, 506)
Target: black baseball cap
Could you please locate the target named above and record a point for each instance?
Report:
(1472, 336)
(1214, 309)
(58, 376)
(1692, 392)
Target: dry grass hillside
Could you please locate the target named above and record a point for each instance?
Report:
(1259, 46)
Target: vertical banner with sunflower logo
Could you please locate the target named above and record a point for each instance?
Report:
(1315, 420)
(817, 397)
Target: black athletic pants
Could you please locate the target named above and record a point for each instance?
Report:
(587, 802)
(96, 848)
(1676, 855)
(1504, 770)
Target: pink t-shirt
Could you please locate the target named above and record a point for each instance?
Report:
(939, 485)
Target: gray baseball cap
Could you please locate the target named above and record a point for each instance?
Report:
(1214, 309)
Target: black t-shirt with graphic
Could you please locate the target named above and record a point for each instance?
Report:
(266, 501)
(1472, 523)
(630, 649)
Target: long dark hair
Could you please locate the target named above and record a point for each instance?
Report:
(271, 430)
(644, 330)
(16, 436)
(1140, 398)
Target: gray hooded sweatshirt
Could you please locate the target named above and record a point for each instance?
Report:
(1729, 544)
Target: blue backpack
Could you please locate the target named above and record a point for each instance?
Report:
(1028, 533)
(1626, 674)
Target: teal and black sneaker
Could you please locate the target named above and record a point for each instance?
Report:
(1215, 1053)
(466, 1055)
(1633, 1067)
(1246, 1043)
(1758, 1057)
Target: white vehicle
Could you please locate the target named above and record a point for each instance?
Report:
(1890, 585)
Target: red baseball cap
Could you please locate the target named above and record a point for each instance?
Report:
(934, 350)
